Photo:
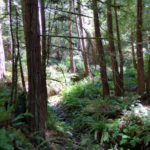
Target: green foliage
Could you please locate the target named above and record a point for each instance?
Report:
(104, 118)
(53, 123)
(130, 80)
(14, 138)
(5, 142)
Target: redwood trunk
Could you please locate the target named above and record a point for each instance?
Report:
(14, 57)
(148, 72)
(72, 65)
(121, 59)
(133, 52)
(116, 76)
(140, 62)
(85, 58)
(32, 39)
(44, 56)
(100, 51)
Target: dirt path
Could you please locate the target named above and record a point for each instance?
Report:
(72, 135)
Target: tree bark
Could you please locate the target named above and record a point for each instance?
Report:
(133, 52)
(100, 51)
(34, 64)
(18, 53)
(14, 57)
(116, 76)
(85, 58)
(140, 62)
(148, 71)
(72, 64)
(121, 58)
(9, 51)
(44, 57)
(2, 56)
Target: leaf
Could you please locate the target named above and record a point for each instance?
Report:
(18, 123)
(18, 117)
(146, 140)
(27, 114)
(105, 137)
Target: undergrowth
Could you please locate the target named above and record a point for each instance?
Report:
(110, 123)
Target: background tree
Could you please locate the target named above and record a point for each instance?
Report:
(140, 62)
(100, 50)
(116, 76)
(44, 57)
(121, 59)
(72, 65)
(85, 58)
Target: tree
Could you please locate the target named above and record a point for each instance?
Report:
(121, 59)
(82, 43)
(18, 53)
(44, 56)
(133, 52)
(34, 64)
(116, 76)
(72, 65)
(100, 51)
(2, 56)
(14, 55)
(140, 62)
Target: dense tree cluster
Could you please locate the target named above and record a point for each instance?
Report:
(86, 35)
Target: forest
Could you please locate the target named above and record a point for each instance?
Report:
(74, 75)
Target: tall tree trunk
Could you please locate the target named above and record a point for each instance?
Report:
(140, 62)
(18, 55)
(44, 56)
(148, 72)
(100, 51)
(49, 39)
(2, 56)
(85, 58)
(34, 64)
(133, 52)
(116, 76)
(148, 77)
(72, 65)
(121, 59)
(9, 53)
(14, 57)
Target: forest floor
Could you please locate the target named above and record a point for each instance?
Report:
(80, 119)
(55, 103)
(72, 136)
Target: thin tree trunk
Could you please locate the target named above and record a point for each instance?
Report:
(44, 56)
(48, 39)
(116, 76)
(85, 58)
(121, 59)
(140, 62)
(34, 64)
(148, 72)
(100, 51)
(2, 56)
(57, 51)
(148, 77)
(72, 64)
(14, 57)
(10, 44)
(133, 52)
(18, 55)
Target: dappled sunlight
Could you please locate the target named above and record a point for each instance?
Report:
(141, 110)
